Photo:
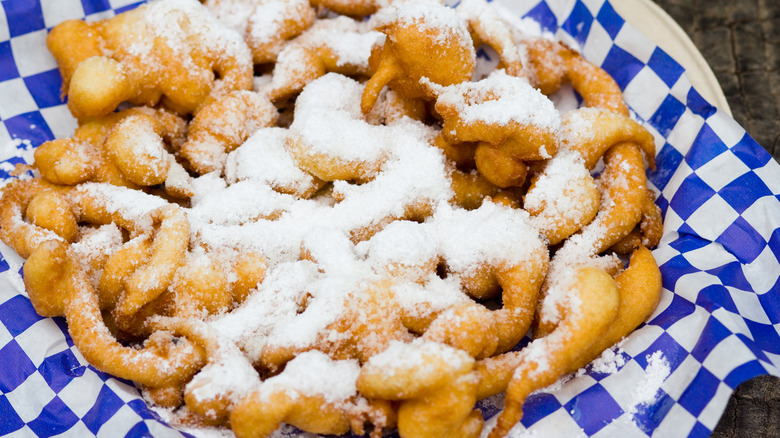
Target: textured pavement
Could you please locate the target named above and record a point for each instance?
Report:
(740, 39)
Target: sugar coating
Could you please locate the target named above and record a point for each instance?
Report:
(313, 373)
(329, 107)
(264, 159)
(232, 13)
(428, 16)
(228, 371)
(267, 19)
(557, 191)
(165, 21)
(350, 41)
(500, 99)
(422, 357)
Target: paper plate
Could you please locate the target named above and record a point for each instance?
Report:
(718, 323)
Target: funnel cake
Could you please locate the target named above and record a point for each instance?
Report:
(355, 240)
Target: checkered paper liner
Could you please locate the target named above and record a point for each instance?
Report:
(718, 323)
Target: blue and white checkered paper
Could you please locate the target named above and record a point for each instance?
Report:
(718, 323)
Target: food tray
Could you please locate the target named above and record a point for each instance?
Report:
(717, 325)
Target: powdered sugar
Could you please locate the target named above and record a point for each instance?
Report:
(646, 390)
(313, 373)
(228, 372)
(559, 192)
(174, 21)
(428, 16)
(610, 361)
(560, 296)
(423, 358)
(500, 99)
(329, 294)
(278, 299)
(491, 234)
(432, 296)
(94, 246)
(645, 393)
(147, 144)
(132, 205)
(401, 242)
(264, 159)
(349, 41)
(338, 43)
(267, 19)
(330, 106)
(232, 13)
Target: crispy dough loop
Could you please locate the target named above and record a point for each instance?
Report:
(249, 163)
(498, 167)
(623, 186)
(414, 50)
(593, 131)
(639, 289)
(460, 154)
(322, 152)
(258, 415)
(470, 327)
(24, 236)
(493, 113)
(471, 189)
(223, 123)
(200, 287)
(562, 198)
(297, 399)
(649, 231)
(354, 8)
(368, 323)
(52, 211)
(489, 27)
(110, 65)
(135, 145)
(131, 148)
(250, 269)
(317, 52)
(71, 42)
(168, 248)
(435, 384)
(552, 64)
(467, 324)
(66, 161)
(547, 358)
(123, 262)
(94, 207)
(265, 44)
(210, 402)
(266, 25)
(499, 330)
(58, 286)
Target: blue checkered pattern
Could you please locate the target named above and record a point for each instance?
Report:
(718, 323)
(46, 387)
